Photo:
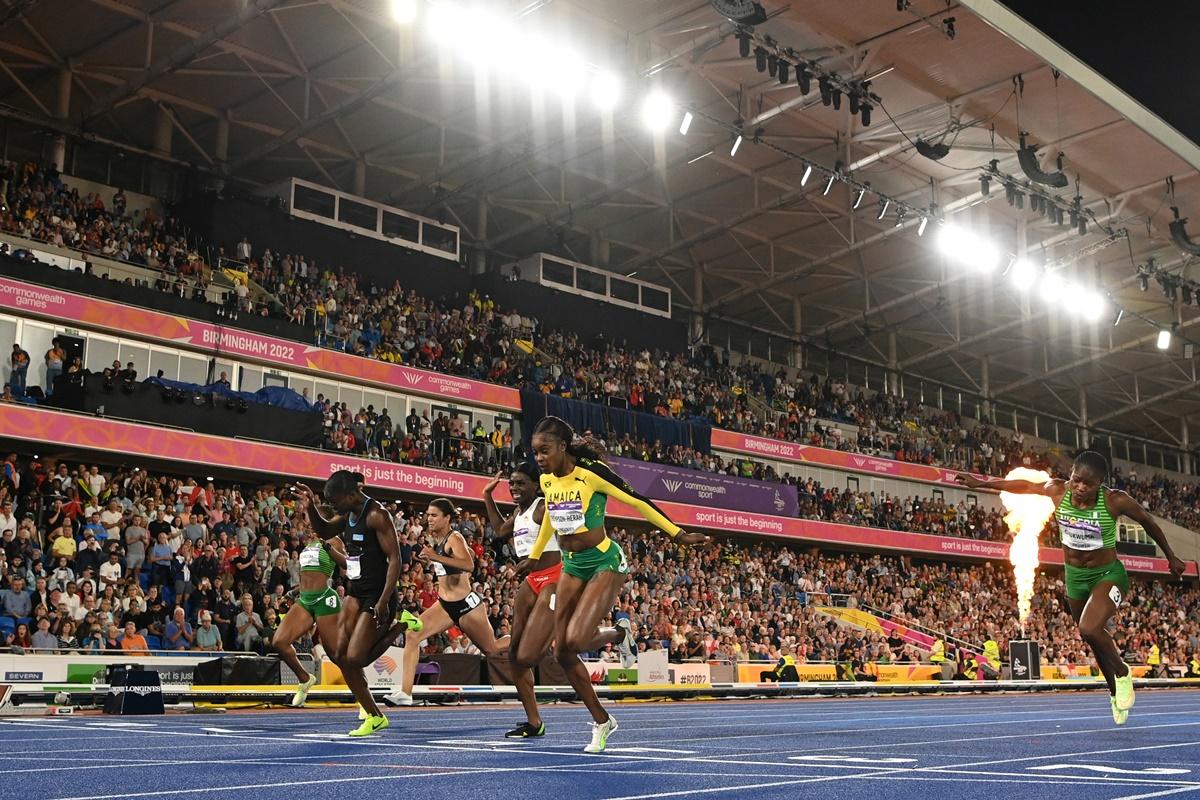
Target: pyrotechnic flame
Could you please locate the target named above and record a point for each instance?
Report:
(1027, 515)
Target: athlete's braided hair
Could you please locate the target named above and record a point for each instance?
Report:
(581, 447)
(1094, 461)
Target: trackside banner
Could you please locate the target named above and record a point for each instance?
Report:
(191, 450)
(206, 337)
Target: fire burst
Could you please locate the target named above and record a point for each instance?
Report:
(1027, 515)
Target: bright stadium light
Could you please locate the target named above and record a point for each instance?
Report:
(446, 21)
(1164, 339)
(404, 11)
(737, 142)
(964, 247)
(686, 124)
(567, 74)
(657, 110)
(1023, 274)
(1091, 305)
(1052, 287)
(606, 91)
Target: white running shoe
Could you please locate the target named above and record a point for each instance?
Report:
(398, 698)
(600, 733)
(302, 691)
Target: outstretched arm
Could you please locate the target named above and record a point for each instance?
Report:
(1121, 504)
(502, 527)
(1051, 488)
(325, 528)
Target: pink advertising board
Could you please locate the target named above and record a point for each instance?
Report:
(25, 423)
(144, 323)
(831, 459)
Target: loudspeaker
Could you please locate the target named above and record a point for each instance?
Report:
(1025, 660)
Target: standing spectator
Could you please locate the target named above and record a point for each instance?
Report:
(119, 203)
(160, 562)
(136, 537)
(20, 370)
(56, 358)
(243, 250)
(8, 520)
(111, 518)
(111, 572)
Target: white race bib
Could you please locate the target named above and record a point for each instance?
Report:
(353, 567)
(439, 568)
(310, 557)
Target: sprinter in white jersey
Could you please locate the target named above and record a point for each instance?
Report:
(533, 619)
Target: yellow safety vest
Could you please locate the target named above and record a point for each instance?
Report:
(1194, 666)
(785, 662)
(970, 668)
(1153, 659)
(937, 654)
(991, 651)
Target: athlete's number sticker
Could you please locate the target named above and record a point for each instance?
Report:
(624, 566)
(331, 601)
(353, 567)
(472, 600)
(1114, 594)
(553, 597)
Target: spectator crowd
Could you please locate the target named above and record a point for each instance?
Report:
(129, 560)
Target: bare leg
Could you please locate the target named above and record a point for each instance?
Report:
(581, 606)
(297, 621)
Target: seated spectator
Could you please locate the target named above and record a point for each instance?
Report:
(133, 642)
(42, 638)
(208, 637)
(179, 633)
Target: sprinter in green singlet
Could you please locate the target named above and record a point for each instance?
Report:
(1086, 516)
(317, 603)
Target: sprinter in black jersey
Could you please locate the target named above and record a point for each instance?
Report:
(452, 562)
(373, 568)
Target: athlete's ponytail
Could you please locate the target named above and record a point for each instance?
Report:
(581, 447)
(446, 507)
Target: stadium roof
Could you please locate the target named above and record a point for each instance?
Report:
(322, 89)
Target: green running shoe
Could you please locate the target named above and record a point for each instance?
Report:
(526, 731)
(1125, 698)
(412, 621)
(370, 726)
(1120, 717)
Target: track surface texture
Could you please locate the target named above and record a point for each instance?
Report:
(1045, 746)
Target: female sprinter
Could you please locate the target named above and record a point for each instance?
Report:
(317, 603)
(458, 604)
(372, 567)
(577, 485)
(1086, 516)
(533, 618)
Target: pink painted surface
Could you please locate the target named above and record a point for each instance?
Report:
(206, 337)
(30, 424)
(835, 459)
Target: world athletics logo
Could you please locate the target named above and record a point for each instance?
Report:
(385, 664)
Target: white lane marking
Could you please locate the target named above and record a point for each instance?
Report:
(852, 760)
(648, 750)
(1163, 793)
(1114, 770)
(478, 742)
(230, 730)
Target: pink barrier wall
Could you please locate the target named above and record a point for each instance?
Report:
(836, 459)
(30, 424)
(206, 337)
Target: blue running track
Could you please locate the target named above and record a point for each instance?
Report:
(1019, 746)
